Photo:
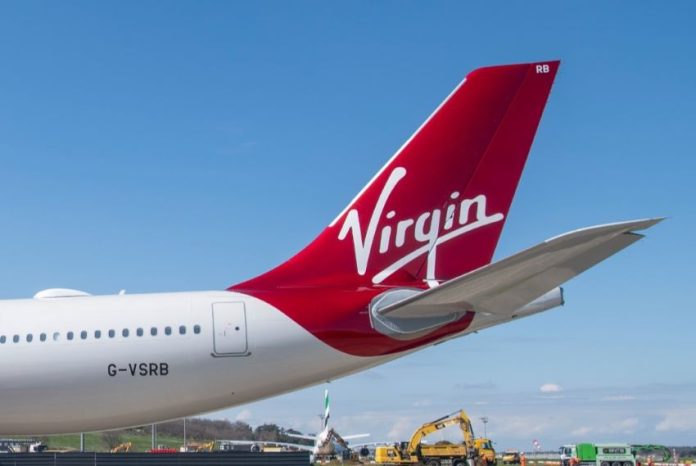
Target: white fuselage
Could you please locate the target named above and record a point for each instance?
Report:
(209, 350)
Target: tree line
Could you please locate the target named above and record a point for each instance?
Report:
(199, 430)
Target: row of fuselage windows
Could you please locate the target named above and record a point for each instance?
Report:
(96, 334)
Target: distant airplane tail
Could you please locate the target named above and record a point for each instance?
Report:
(326, 434)
(437, 208)
(327, 412)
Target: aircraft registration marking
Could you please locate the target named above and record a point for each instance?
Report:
(139, 369)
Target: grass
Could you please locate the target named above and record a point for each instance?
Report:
(99, 441)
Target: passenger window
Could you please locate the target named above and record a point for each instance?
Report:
(112, 333)
(83, 334)
(139, 332)
(15, 338)
(182, 330)
(153, 331)
(2, 339)
(70, 335)
(56, 336)
(30, 337)
(42, 337)
(125, 332)
(97, 334)
(196, 329)
(167, 330)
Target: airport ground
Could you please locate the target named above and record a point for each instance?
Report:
(200, 431)
(141, 441)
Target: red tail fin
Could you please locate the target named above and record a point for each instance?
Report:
(437, 208)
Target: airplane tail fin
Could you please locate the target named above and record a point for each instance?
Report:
(327, 411)
(437, 208)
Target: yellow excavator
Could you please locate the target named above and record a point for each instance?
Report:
(486, 451)
(472, 452)
(122, 448)
(200, 447)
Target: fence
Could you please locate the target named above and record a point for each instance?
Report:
(234, 458)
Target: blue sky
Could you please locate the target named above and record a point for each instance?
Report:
(165, 146)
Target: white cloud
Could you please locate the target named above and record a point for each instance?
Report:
(422, 403)
(625, 426)
(523, 426)
(402, 428)
(581, 431)
(550, 388)
(680, 420)
(244, 416)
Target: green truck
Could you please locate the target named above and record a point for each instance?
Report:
(600, 454)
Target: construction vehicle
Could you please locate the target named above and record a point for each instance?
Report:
(651, 452)
(122, 448)
(416, 452)
(511, 457)
(19, 445)
(198, 447)
(605, 454)
(485, 450)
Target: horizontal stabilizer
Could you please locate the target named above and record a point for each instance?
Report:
(514, 287)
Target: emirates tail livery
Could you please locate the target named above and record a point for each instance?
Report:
(327, 438)
(325, 441)
(404, 266)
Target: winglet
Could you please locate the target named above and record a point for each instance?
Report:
(619, 227)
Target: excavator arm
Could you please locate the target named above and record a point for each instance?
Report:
(456, 418)
(648, 449)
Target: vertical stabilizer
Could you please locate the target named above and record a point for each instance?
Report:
(437, 208)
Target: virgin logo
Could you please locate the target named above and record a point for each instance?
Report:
(426, 231)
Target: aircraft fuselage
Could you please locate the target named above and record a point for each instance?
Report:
(89, 363)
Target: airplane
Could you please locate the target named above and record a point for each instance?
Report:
(327, 438)
(324, 442)
(406, 265)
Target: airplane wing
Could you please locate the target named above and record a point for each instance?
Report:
(350, 437)
(370, 444)
(520, 285)
(262, 442)
(305, 437)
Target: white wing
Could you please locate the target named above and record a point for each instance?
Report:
(305, 437)
(349, 437)
(261, 442)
